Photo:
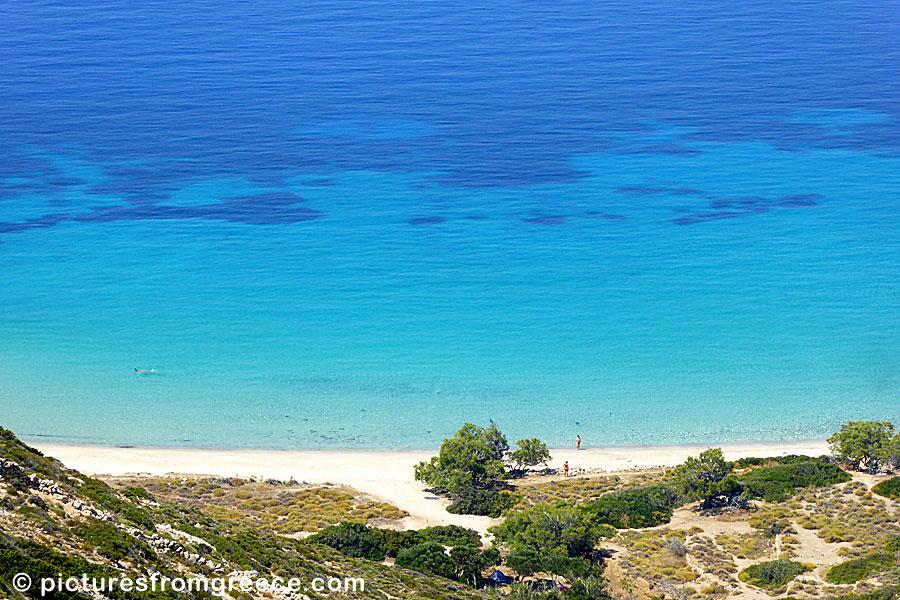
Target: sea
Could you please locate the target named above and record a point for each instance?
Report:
(356, 224)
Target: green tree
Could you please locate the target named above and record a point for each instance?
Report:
(697, 475)
(496, 441)
(428, 557)
(469, 469)
(864, 444)
(525, 561)
(469, 561)
(450, 535)
(546, 529)
(530, 452)
(890, 456)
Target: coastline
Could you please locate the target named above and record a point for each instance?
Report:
(384, 475)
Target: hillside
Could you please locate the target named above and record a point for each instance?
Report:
(57, 522)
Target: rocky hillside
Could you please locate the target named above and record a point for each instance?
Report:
(58, 523)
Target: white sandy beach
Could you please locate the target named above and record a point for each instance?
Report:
(386, 475)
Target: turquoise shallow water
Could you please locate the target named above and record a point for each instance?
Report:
(687, 266)
(358, 329)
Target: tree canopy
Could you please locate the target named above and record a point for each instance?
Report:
(548, 528)
(866, 445)
(470, 469)
(427, 557)
(698, 474)
(471, 459)
(531, 452)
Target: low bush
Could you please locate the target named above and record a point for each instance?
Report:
(776, 483)
(111, 542)
(105, 497)
(790, 459)
(889, 488)
(488, 503)
(548, 529)
(646, 506)
(885, 593)
(852, 571)
(427, 557)
(352, 539)
(19, 555)
(360, 541)
(450, 535)
(772, 575)
(893, 545)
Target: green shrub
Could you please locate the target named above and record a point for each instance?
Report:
(38, 561)
(352, 539)
(489, 503)
(249, 548)
(395, 541)
(450, 535)
(889, 488)
(885, 593)
(696, 475)
(771, 575)
(852, 571)
(105, 497)
(360, 541)
(893, 545)
(111, 542)
(776, 483)
(548, 529)
(427, 557)
(25, 556)
(790, 459)
(646, 506)
(470, 561)
(30, 459)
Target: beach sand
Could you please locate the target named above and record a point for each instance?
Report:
(384, 475)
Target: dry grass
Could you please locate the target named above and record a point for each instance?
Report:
(578, 490)
(657, 555)
(280, 507)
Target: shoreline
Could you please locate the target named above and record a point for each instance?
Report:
(38, 441)
(386, 475)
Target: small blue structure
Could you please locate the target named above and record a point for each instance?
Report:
(500, 578)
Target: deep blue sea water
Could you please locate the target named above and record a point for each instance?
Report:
(356, 224)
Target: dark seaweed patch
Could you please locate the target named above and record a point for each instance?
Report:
(546, 220)
(274, 208)
(707, 216)
(670, 149)
(435, 220)
(730, 208)
(319, 182)
(38, 223)
(646, 190)
(801, 200)
(748, 201)
(260, 209)
(603, 215)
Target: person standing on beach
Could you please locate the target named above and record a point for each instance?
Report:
(578, 442)
(566, 469)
